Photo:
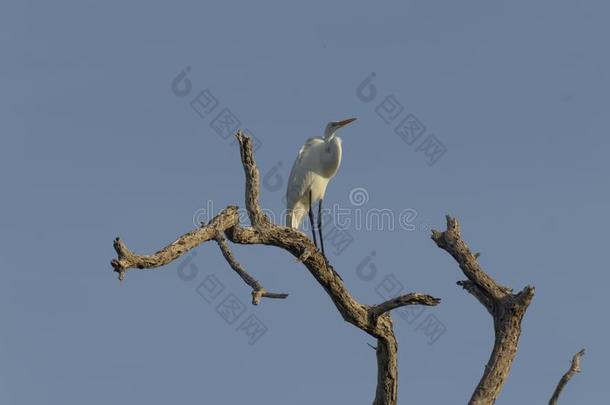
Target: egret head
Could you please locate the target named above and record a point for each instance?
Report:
(334, 126)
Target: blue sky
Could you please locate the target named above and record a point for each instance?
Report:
(94, 144)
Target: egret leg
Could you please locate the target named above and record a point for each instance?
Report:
(313, 228)
(320, 226)
(322, 240)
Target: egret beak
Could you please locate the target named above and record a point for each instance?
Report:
(343, 123)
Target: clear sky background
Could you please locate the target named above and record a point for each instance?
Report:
(94, 144)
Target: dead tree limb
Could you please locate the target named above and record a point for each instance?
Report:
(401, 301)
(572, 371)
(257, 289)
(374, 320)
(506, 308)
(127, 259)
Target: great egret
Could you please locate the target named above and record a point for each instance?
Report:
(317, 163)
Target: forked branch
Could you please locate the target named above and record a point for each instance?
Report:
(126, 259)
(506, 308)
(374, 320)
(257, 289)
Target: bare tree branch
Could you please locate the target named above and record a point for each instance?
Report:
(404, 300)
(573, 370)
(227, 218)
(257, 216)
(506, 308)
(451, 241)
(375, 320)
(257, 289)
(303, 250)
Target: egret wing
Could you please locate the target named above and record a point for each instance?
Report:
(301, 174)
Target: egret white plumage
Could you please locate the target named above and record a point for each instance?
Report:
(317, 162)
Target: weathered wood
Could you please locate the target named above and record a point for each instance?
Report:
(374, 320)
(572, 371)
(127, 259)
(401, 301)
(506, 308)
(258, 291)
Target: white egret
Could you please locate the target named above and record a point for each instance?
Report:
(318, 161)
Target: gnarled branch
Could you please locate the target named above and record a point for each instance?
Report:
(374, 320)
(257, 289)
(572, 371)
(403, 300)
(126, 259)
(506, 308)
